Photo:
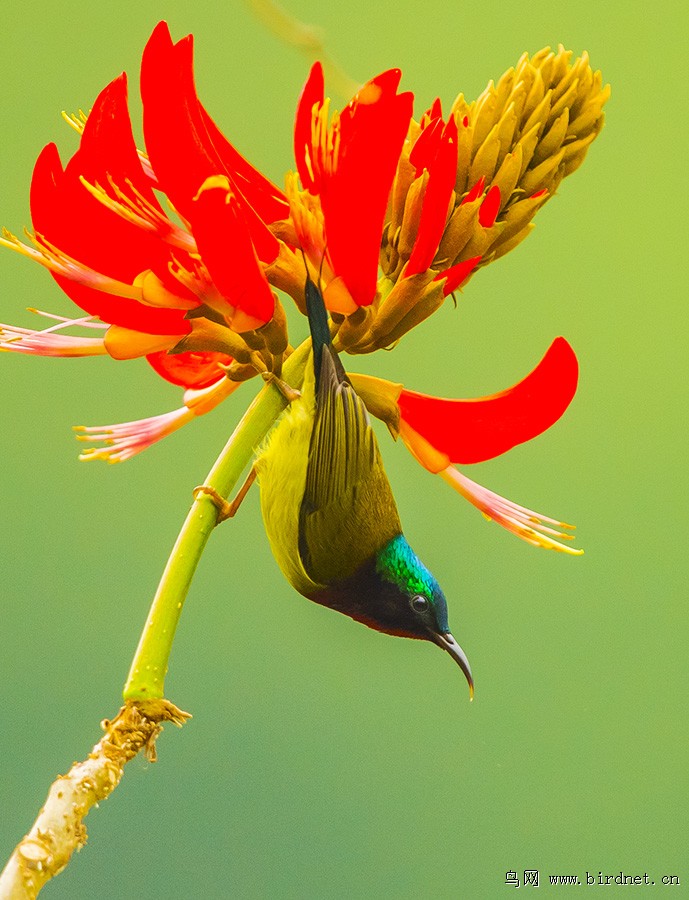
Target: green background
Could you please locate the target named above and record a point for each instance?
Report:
(325, 760)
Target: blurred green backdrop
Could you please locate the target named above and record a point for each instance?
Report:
(325, 760)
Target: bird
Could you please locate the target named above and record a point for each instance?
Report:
(329, 511)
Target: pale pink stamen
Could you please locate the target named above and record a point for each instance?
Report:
(525, 523)
(147, 167)
(83, 322)
(48, 342)
(126, 439)
(129, 438)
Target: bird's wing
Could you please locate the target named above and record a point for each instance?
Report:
(348, 512)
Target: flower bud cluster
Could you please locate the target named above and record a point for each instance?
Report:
(515, 144)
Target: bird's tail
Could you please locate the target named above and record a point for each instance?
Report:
(320, 330)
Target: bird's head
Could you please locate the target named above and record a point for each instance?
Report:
(395, 593)
(418, 604)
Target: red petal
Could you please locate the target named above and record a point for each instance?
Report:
(458, 274)
(441, 184)
(489, 209)
(426, 146)
(471, 431)
(435, 111)
(189, 370)
(65, 213)
(181, 140)
(476, 191)
(354, 198)
(259, 192)
(224, 242)
(178, 154)
(311, 95)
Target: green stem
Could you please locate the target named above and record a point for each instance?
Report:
(147, 673)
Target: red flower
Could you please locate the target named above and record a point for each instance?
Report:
(440, 432)
(186, 147)
(349, 164)
(102, 232)
(371, 177)
(68, 216)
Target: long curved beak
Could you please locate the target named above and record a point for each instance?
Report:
(448, 643)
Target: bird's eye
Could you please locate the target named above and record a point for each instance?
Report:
(419, 603)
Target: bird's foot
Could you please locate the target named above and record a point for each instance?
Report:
(288, 392)
(226, 510)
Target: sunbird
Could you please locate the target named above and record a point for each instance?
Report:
(329, 511)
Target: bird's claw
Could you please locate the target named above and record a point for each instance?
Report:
(288, 392)
(225, 510)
